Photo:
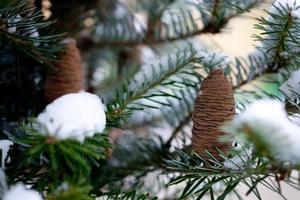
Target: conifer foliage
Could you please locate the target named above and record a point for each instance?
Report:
(117, 99)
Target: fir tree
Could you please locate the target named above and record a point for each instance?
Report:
(77, 118)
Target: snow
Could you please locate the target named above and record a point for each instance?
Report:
(4, 146)
(294, 4)
(217, 60)
(266, 111)
(139, 25)
(11, 23)
(120, 12)
(19, 192)
(147, 55)
(33, 33)
(295, 118)
(241, 159)
(291, 86)
(154, 183)
(268, 121)
(102, 71)
(234, 163)
(271, 40)
(73, 116)
(140, 22)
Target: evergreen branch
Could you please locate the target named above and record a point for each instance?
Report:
(41, 156)
(201, 177)
(179, 115)
(280, 36)
(136, 146)
(243, 71)
(240, 72)
(256, 89)
(20, 28)
(146, 89)
(180, 127)
(265, 86)
(181, 25)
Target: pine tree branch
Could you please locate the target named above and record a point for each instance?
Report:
(240, 72)
(42, 157)
(204, 177)
(20, 26)
(214, 25)
(280, 36)
(148, 40)
(164, 77)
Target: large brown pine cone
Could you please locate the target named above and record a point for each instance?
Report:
(67, 75)
(213, 107)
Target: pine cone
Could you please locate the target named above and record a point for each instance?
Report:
(213, 107)
(67, 77)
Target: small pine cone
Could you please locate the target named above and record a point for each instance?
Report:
(213, 107)
(67, 76)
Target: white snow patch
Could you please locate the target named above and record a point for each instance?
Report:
(74, 115)
(4, 146)
(19, 192)
(268, 120)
